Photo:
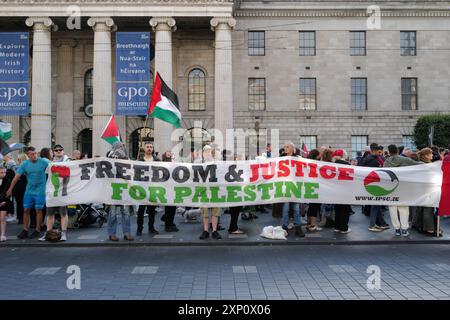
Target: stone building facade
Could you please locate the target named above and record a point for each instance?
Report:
(321, 72)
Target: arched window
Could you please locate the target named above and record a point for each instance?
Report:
(84, 142)
(27, 139)
(88, 87)
(138, 135)
(196, 90)
(194, 139)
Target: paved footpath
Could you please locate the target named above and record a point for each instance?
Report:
(190, 231)
(228, 272)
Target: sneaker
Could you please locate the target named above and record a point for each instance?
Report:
(375, 229)
(63, 236)
(171, 229)
(23, 235)
(204, 235)
(128, 237)
(216, 235)
(11, 219)
(314, 229)
(152, 231)
(299, 232)
(405, 233)
(345, 232)
(43, 238)
(35, 234)
(290, 225)
(398, 232)
(145, 215)
(384, 227)
(3, 239)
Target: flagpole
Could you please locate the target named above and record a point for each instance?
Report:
(438, 226)
(141, 138)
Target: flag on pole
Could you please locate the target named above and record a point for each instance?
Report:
(305, 152)
(111, 132)
(164, 103)
(16, 146)
(5, 130)
(4, 148)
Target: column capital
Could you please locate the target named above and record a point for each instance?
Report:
(41, 24)
(163, 24)
(66, 42)
(105, 24)
(224, 22)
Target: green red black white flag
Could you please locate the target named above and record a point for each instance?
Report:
(164, 103)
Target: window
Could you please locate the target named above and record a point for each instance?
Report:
(408, 142)
(409, 93)
(84, 142)
(307, 43)
(309, 141)
(257, 93)
(256, 43)
(196, 90)
(88, 87)
(358, 144)
(408, 43)
(307, 94)
(357, 43)
(194, 139)
(359, 93)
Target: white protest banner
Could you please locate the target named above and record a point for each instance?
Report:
(236, 183)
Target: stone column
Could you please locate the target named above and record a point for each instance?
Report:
(102, 82)
(41, 98)
(64, 95)
(163, 28)
(223, 75)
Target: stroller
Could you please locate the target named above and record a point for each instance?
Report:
(88, 214)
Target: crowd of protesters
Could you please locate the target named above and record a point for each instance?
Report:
(22, 194)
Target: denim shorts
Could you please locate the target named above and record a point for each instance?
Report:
(33, 201)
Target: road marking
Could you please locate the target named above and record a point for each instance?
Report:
(145, 270)
(439, 267)
(342, 268)
(44, 271)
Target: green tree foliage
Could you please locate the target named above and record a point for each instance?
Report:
(441, 137)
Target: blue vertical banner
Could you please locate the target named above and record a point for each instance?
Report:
(14, 75)
(132, 73)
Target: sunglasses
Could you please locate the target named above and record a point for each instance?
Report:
(58, 150)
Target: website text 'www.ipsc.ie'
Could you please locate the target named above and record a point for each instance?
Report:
(365, 198)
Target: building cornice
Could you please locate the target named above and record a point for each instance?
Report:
(118, 8)
(339, 13)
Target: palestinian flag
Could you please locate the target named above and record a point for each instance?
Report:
(4, 148)
(164, 103)
(111, 131)
(305, 152)
(5, 130)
